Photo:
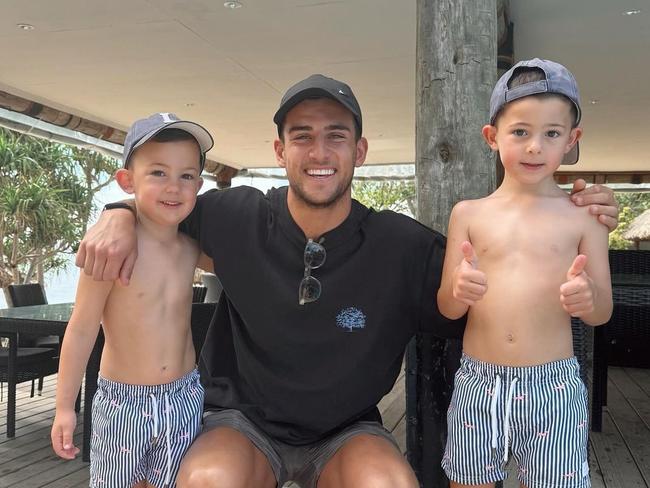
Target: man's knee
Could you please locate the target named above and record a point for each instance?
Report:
(368, 461)
(388, 475)
(224, 458)
(213, 476)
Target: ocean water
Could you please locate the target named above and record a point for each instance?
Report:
(60, 286)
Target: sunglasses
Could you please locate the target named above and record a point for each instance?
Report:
(310, 288)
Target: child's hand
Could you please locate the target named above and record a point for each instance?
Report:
(470, 284)
(62, 432)
(577, 293)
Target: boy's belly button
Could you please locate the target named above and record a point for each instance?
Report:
(510, 337)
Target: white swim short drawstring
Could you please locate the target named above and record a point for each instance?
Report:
(506, 424)
(496, 392)
(156, 420)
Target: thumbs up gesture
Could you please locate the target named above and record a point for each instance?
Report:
(577, 293)
(470, 284)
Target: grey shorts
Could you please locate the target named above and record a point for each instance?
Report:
(301, 464)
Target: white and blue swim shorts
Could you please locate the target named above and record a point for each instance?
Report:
(536, 414)
(141, 432)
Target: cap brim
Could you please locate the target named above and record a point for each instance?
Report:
(199, 133)
(572, 156)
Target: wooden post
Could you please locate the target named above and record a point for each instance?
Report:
(456, 70)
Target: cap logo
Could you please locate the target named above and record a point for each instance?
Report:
(166, 117)
(342, 92)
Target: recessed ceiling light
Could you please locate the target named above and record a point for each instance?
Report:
(594, 101)
(632, 12)
(25, 26)
(232, 5)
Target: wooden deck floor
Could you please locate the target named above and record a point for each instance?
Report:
(619, 455)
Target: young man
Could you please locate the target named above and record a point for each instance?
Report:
(523, 261)
(321, 297)
(149, 401)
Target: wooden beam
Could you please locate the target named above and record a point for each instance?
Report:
(456, 58)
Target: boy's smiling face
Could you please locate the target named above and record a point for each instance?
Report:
(532, 135)
(164, 178)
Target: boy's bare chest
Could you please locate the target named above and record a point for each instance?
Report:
(163, 274)
(540, 235)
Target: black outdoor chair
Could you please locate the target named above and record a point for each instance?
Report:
(31, 363)
(198, 293)
(24, 296)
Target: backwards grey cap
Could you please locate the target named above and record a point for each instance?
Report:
(144, 129)
(314, 87)
(558, 80)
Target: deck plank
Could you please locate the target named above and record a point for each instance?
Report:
(616, 463)
(634, 430)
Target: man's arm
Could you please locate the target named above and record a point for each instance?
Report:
(600, 200)
(109, 249)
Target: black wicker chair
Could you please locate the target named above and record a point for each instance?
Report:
(31, 363)
(24, 296)
(198, 293)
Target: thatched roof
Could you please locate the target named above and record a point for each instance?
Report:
(639, 229)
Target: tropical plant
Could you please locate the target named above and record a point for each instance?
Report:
(398, 196)
(630, 205)
(46, 199)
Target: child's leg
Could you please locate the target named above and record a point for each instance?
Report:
(180, 409)
(474, 455)
(550, 411)
(118, 442)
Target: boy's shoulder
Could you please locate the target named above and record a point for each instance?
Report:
(469, 208)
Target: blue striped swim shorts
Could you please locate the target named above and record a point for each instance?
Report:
(537, 414)
(141, 432)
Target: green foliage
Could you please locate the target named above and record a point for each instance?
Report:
(630, 205)
(398, 196)
(46, 198)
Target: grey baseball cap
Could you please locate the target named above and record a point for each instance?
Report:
(144, 129)
(317, 86)
(558, 80)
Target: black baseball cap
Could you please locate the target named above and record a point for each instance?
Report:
(317, 86)
(144, 129)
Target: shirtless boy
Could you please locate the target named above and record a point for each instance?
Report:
(523, 261)
(149, 402)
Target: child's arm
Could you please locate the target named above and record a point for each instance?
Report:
(462, 284)
(80, 335)
(587, 293)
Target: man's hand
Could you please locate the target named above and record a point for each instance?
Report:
(62, 433)
(470, 284)
(109, 249)
(600, 200)
(577, 293)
